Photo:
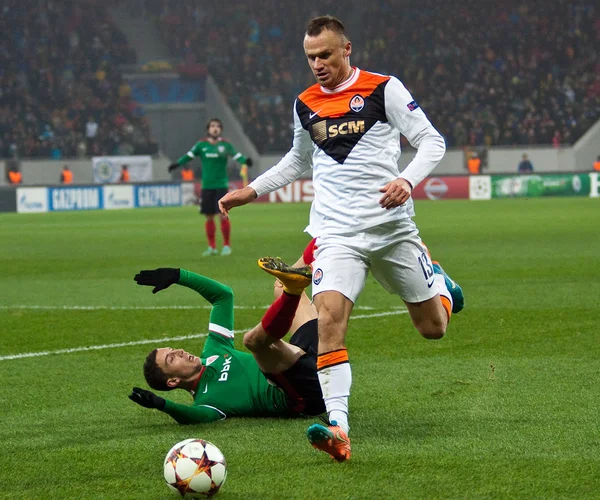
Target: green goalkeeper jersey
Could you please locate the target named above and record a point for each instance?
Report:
(214, 159)
(231, 383)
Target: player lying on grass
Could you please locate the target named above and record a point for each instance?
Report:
(278, 379)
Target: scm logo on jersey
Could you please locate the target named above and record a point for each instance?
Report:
(349, 127)
(321, 131)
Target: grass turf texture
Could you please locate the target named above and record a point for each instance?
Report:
(506, 405)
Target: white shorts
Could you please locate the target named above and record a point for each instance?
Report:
(393, 252)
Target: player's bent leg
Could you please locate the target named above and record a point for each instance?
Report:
(430, 317)
(257, 339)
(306, 310)
(300, 381)
(264, 340)
(272, 355)
(458, 298)
(406, 270)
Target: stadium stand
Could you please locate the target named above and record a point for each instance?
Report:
(504, 73)
(470, 67)
(61, 93)
(479, 79)
(254, 53)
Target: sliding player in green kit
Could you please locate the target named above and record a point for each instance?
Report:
(277, 379)
(214, 153)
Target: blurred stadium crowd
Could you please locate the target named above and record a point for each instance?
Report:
(61, 92)
(501, 73)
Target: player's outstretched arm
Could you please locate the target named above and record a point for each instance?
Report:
(164, 277)
(297, 161)
(181, 413)
(184, 414)
(147, 399)
(219, 295)
(213, 291)
(189, 156)
(160, 278)
(236, 198)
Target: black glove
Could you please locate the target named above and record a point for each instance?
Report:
(249, 162)
(147, 399)
(160, 278)
(173, 166)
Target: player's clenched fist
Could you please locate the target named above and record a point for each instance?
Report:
(147, 399)
(396, 193)
(236, 198)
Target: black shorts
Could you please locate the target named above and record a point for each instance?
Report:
(209, 205)
(300, 382)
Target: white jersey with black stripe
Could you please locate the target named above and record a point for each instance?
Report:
(351, 137)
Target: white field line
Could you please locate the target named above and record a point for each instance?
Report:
(160, 341)
(132, 308)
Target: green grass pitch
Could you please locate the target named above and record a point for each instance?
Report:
(507, 405)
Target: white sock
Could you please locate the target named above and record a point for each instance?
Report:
(335, 384)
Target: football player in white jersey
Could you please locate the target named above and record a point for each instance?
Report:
(347, 127)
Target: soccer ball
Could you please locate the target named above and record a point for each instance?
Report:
(195, 468)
